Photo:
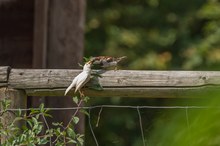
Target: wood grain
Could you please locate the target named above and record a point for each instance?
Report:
(60, 78)
(4, 72)
(141, 92)
(121, 83)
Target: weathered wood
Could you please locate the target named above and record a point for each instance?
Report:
(40, 33)
(65, 33)
(18, 99)
(4, 72)
(59, 78)
(121, 83)
(142, 92)
(65, 47)
(41, 78)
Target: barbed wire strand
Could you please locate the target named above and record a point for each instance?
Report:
(141, 126)
(90, 126)
(118, 106)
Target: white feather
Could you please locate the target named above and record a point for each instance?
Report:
(84, 78)
(73, 84)
(80, 80)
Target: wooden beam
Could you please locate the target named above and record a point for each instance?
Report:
(4, 72)
(141, 92)
(121, 83)
(61, 78)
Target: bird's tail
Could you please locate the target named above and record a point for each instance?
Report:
(69, 88)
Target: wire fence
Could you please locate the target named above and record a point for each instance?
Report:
(118, 106)
(101, 107)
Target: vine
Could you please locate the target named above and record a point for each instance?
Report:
(35, 129)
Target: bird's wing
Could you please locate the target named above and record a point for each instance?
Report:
(73, 84)
(84, 78)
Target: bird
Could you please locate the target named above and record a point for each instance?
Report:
(106, 61)
(80, 80)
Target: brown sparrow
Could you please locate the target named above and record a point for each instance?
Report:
(106, 61)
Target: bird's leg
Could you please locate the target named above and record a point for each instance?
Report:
(81, 93)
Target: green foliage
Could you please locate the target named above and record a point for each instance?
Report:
(35, 129)
(154, 34)
(183, 127)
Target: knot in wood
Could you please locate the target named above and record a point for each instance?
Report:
(119, 81)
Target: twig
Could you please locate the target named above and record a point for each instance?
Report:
(6, 111)
(77, 109)
(48, 128)
(97, 123)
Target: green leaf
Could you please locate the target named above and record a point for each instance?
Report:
(75, 99)
(57, 131)
(84, 112)
(18, 119)
(48, 115)
(75, 120)
(71, 141)
(29, 123)
(57, 123)
(41, 108)
(71, 132)
(95, 74)
(19, 112)
(80, 140)
(86, 99)
(58, 143)
(33, 111)
(96, 87)
(80, 65)
(86, 59)
(43, 141)
(34, 121)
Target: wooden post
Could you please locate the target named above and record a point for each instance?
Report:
(40, 33)
(65, 48)
(18, 99)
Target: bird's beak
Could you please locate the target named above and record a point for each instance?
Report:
(89, 62)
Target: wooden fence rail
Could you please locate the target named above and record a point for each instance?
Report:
(120, 83)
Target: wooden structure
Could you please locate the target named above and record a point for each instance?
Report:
(43, 34)
(18, 84)
(121, 83)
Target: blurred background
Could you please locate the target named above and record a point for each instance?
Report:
(158, 35)
(153, 34)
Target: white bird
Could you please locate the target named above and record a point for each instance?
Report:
(80, 80)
